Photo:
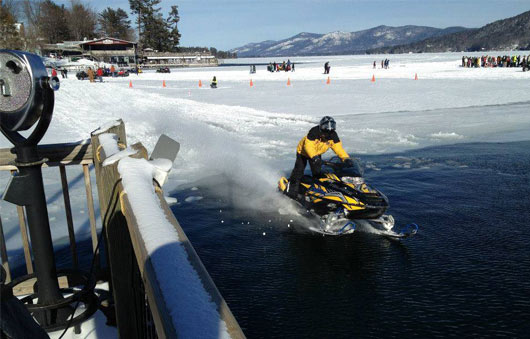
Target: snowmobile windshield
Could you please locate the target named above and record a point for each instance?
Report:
(336, 166)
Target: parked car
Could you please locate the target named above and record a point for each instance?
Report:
(81, 75)
(123, 73)
(163, 70)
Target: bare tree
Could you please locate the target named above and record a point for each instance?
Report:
(11, 36)
(31, 12)
(81, 20)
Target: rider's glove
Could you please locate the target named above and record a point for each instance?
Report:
(316, 161)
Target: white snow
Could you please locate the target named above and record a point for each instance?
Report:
(106, 126)
(161, 170)
(193, 198)
(118, 156)
(193, 312)
(109, 143)
(447, 136)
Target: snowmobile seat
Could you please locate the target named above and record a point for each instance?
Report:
(307, 179)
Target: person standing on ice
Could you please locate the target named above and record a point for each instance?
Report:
(326, 67)
(100, 74)
(310, 149)
(213, 84)
(374, 64)
(90, 74)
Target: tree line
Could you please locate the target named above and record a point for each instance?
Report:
(46, 22)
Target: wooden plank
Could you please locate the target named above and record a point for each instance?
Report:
(66, 153)
(3, 253)
(106, 177)
(26, 287)
(25, 238)
(91, 211)
(126, 282)
(69, 219)
(50, 164)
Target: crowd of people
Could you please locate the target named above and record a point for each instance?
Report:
(284, 66)
(498, 61)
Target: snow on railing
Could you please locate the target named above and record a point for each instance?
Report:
(181, 296)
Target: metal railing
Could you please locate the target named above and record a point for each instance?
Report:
(57, 155)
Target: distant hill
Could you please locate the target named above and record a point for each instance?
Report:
(305, 44)
(502, 35)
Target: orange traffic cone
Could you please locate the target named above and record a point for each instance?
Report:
(373, 78)
(200, 83)
(163, 83)
(130, 83)
(251, 83)
(416, 76)
(288, 81)
(328, 81)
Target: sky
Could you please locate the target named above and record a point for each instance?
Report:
(226, 24)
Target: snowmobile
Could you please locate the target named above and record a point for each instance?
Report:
(340, 196)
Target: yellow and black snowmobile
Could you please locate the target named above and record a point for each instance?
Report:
(340, 195)
(340, 190)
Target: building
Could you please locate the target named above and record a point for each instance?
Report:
(125, 54)
(157, 59)
(109, 50)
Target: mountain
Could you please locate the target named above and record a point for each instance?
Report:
(502, 35)
(342, 42)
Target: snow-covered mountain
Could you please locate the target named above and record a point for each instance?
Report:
(501, 35)
(342, 42)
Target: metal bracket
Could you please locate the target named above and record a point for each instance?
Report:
(18, 190)
(166, 148)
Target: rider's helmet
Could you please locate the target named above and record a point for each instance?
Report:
(327, 124)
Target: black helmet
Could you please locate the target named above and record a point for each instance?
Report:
(327, 124)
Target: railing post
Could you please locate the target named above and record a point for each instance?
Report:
(69, 219)
(126, 282)
(25, 238)
(3, 253)
(91, 213)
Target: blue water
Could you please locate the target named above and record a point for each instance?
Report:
(465, 274)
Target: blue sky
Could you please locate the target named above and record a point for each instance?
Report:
(226, 24)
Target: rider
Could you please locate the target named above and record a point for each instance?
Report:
(319, 139)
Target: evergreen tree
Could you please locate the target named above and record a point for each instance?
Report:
(174, 34)
(115, 23)
(146, 14)
(155, 31)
